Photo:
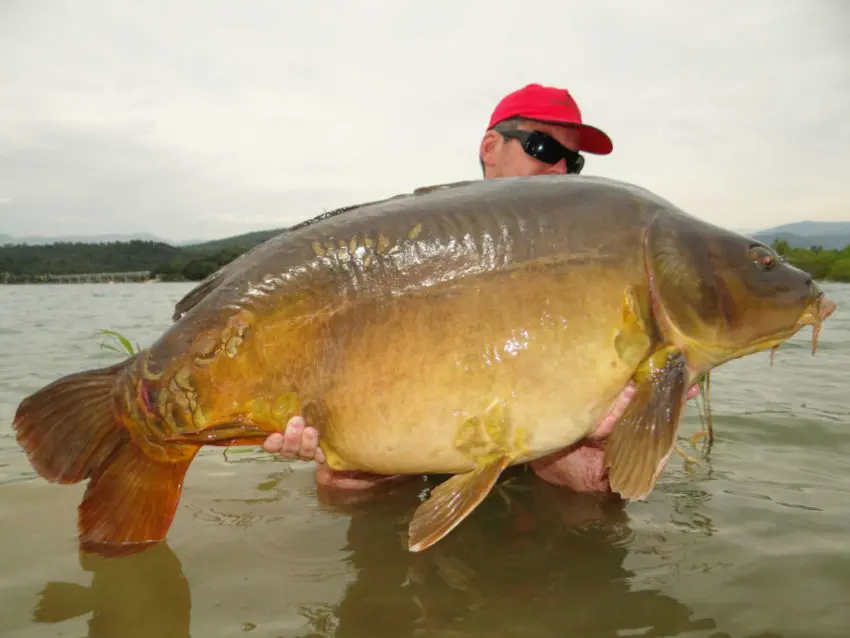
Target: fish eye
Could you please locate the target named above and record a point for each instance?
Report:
(763, 258)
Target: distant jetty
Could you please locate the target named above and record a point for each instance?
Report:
(135, 276)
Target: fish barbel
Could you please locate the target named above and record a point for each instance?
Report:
(459, 329)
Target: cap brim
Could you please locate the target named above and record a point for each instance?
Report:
(592, 139)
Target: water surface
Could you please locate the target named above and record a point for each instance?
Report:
(752, 543)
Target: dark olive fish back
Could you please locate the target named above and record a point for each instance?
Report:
(383, 248)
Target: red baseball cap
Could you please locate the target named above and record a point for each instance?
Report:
(550, 104)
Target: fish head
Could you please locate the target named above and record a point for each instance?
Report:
(720, 295)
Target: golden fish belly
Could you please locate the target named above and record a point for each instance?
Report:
(519, 362)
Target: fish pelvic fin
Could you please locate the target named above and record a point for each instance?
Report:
(642, 441)
(69, 428)
(71, 431)
(451, 502)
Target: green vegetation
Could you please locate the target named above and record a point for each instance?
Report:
(248, 240)
(822, 264)
(22, 263)
(122, 344)
(194, 267)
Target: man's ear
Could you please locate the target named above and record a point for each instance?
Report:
(489, 147)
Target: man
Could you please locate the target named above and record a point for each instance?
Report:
(536, 130)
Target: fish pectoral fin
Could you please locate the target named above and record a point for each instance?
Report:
(451, 502)
(641, 443)
(224, 434)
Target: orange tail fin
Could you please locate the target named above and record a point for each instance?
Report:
(70, 433)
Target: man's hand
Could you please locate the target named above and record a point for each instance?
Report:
(297, 442)
(580, 467)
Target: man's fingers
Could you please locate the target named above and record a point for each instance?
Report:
(618, 408)
(310, 450)
(310, 445)
(292, 438)
(693, 391)
(273, 443)
(296, 442)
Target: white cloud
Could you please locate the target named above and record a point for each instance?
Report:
(202, 119)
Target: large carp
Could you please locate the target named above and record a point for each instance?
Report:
(455, 330)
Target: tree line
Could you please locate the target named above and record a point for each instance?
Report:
(21, 263)
(822, 264)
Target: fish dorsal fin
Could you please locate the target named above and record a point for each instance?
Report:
(208, 285)
(438, 187)
(212, 282)
(197, 294)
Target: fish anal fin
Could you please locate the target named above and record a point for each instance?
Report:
(131, 503)
(644, 438)
(451, 502)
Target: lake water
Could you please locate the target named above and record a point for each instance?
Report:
(753, 543)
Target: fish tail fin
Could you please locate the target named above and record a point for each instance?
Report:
(62, 601)
(130, 503)
(70, 431)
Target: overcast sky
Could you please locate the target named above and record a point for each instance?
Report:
(202, 119)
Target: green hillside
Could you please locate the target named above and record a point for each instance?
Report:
(245, 242)
(22, 261)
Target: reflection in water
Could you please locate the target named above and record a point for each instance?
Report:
(537, 561)
(143, 595)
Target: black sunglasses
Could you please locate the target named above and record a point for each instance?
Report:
(546, 148)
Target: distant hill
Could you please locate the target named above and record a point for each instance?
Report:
(23, 258)
(809, 228)
(29, 259)
(805, 234)
(245, 241)
(69, 258)
(39, 240)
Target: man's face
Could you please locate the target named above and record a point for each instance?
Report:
(504, 157)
